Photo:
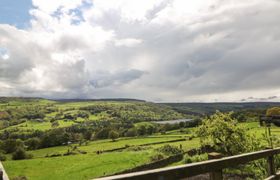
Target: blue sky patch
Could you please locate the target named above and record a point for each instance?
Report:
(15, 13)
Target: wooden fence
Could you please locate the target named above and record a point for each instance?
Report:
(214, 167)
(3, 174)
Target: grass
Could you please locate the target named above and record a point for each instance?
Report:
(100, 145)
(78, 167)
(29, 125)
(91, 165)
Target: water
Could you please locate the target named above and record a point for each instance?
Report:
(173, 121)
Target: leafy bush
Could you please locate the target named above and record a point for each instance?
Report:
(113, 135)
(132, 132)
(275, 111)
(223, 132)
(32, 143)
(2, 157)
(195, 158)
(157, 157)
(54, 155)
(169, 150)
(20, 153)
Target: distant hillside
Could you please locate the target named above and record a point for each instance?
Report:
(105, 99)
(39, 114)
(209, 108)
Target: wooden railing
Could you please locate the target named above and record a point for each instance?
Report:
(3, 174)
(214, 167)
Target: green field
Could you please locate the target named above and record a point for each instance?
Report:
(79, 167)
(92, 165)
(102, 145)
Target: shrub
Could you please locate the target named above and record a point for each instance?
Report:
(195, 158)
(113, 135)
(157, 157)
(32, 143)
(169, 150)
(20, 153)
(54, 155)
(223, 132)
(275, 111)
(132, 132)
(2, 157)
(103, 133)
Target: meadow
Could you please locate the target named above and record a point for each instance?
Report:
(91, 165)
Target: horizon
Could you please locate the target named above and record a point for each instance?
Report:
(157, 50)
(144, 100)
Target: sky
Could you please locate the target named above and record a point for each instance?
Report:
(156, 50)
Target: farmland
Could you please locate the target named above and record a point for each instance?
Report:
(89, 139)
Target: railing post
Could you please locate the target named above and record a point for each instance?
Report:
(270, 165)
(1, 174)
(216, 175)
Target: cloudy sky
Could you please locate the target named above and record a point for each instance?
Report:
(157, 50)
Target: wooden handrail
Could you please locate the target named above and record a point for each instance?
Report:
(188, 170)
(3, 174)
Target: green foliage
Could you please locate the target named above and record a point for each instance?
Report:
(157, 157)
(113, 135)
(32, 143)
(195, 158)
(103, 133)
(2, 157)
(275, 111)
(10, 145)
(132, 132)
(223, 133)
(169, 150)
(20, 153)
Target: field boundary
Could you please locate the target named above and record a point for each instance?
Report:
(147, 144)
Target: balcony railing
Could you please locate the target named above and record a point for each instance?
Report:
(214, 167)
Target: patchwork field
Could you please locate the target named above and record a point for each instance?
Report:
(91, 165)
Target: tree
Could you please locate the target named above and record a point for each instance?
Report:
(10, 145)
(103, 133)
(141, 130)
(113, 135)
(132, 132)
(150, 129)
(32, 143)
(20, 153)
(275, 111)
(87, 135)
(222, 132)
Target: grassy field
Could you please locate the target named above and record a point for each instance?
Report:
(43, 126)
(102, 145)
(90, 165)
(78, 167)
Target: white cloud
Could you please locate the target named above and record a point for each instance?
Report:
(171, 50)
(127, 42)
